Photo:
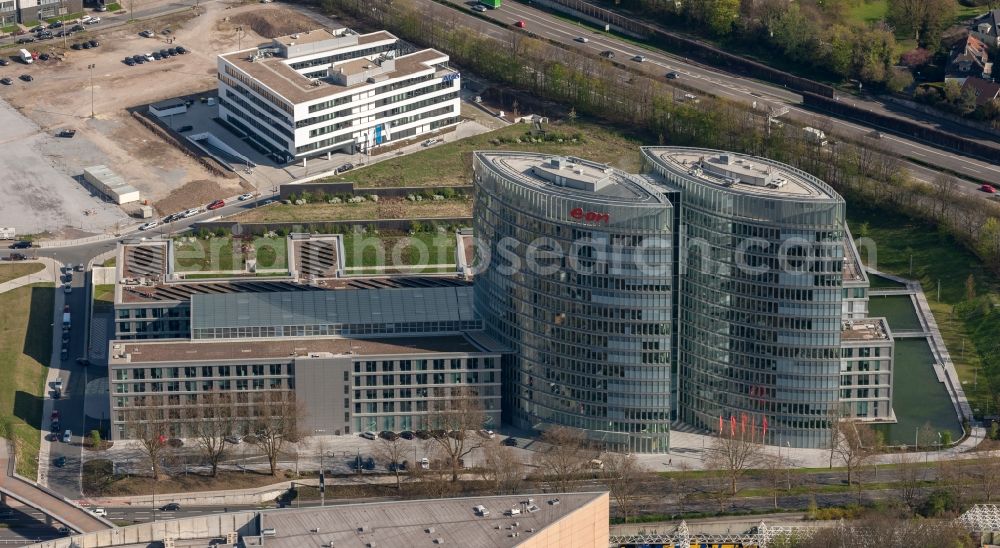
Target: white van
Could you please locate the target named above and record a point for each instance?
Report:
(26, 57)
(481, 511)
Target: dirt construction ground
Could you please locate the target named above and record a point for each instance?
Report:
(60, 98)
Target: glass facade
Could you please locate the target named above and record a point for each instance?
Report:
(759, 304)
(585, 305)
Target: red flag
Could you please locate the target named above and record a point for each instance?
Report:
(721, 427)
(743, 423)
(764, 436)
(732, 425)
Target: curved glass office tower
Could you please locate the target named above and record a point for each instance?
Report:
(759, 319)
(575, 270)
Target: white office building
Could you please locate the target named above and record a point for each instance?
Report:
(323, 91)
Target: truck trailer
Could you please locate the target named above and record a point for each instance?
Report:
(492, 4)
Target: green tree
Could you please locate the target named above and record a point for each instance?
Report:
(970, 288)
(722, 15)
(95, 439)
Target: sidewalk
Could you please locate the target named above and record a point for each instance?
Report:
(48, 274)
(47, 402)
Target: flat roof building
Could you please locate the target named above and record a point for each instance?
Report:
(554, 520)
(325, 90)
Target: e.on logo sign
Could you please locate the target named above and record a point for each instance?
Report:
(589, 216)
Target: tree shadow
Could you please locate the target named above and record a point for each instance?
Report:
(38, 339)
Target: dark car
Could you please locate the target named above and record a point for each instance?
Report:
(85, 45)
(94, 43)
(59, 462)
(83, 362)
(27, 77)
(423, 434)
(156, 55)
(406, 435)
(17, 257)
(510, 442)
(129, 62)
(672, 76)
(172, 51)
(25, 40)
(4, 62)
(77, 46)
(388, 435)
(77, 28)
(139, 59)
(164, 53)
(43, 57)
(397, 466)
(608, 54)
(56, 25)
(23, 244)
(345, 167)
(369, 463)
(170, 507)
(457, 434)
(38, 28)
(181, 50)
(6, 81)
(182, 129)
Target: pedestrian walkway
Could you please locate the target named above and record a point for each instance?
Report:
(48, 274)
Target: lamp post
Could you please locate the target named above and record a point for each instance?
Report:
(239, 38)
(154, 495)
(91, 69)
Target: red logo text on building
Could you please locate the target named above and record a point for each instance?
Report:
(589, 216)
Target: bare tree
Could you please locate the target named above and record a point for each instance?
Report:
(734, 452)
(624, 475)
(857, 444)
(275, 424)
(775, 469)
(910, 475)
(502, 468)
(148, 427)
(563, 458)
(391, 452)
(453, 420)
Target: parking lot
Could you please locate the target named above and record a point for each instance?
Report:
(61, 96)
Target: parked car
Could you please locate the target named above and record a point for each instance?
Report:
(216, 204)
(78, 268)
(164, 53)
(59, 462)
(67, 436)
(156, 56)
(406, 435)
(232, 440)
(25, 40)
(430, 142)
(170, 507)
(17, 257)
(85, 19)
(510, 442)
(388, 435)
(245, 197)
(397, 466)
(369, 463)
(84, 362)
(67, 289)
(172, 51)
(94, 21)
(191, 212)
(150, 225)
(7, 82)
(425, 463)
(77, 28)
(55, 414)
(146, 34)
(181, 50)
(77, 46)
(423, 434)
(4, 62)
(94, 43)
(64, 530)
(55, 25)
(345, 167)
(989, 189)
(488, 434)
(368, 435)
(26, 77)
(149, 57)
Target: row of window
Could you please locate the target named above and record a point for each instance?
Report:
(421, 379)
(205, 371)
(260, 90)
(315, 330)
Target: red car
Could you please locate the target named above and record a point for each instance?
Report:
(55, 414)
(216, 204)
(988, 189)
(519, 24)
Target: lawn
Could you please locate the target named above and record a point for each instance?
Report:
(868, 11)
(25, 351)
(451, 163)
(425, 248)
(937, 258)
(104, 297)
(110, 262)
(364, 211)
(12, 271)
(114, 7)
(271, 253)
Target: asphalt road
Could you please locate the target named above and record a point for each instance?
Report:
(25, 524)
(729, 86)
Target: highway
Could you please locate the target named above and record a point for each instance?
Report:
(657, 64)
